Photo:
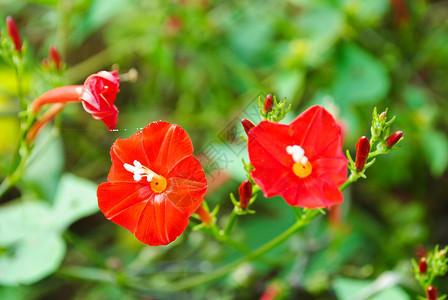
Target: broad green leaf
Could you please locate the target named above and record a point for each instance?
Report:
(320, 27)
(361, 78)
(435, 146)
(46, 159)
(75, 199)
(32, 248)
(351, 289)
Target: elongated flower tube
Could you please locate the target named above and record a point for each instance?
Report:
(14, 33)
(46, 117)
(97, 96)
(362, 152)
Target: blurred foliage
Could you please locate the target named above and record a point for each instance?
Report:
(202, 64)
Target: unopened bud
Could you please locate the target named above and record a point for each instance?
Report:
(245, 192)
(362, 152)
(55, 57)
(394, 138)
(268, 103)
(14, 33)
(422, 266)
(382, 116)
(247, 125)
(431, 292)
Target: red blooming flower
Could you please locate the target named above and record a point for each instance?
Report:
(155, 183)
(99, 95)
(302, 161)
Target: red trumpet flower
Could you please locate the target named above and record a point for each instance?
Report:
(302, 161)
(155, 183)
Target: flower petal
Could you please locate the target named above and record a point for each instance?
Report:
(187, 185)
(165, 145)
(151, 217)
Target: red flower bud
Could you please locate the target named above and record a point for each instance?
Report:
(268, 103)
(394, 138)
(422, 266)
(14, 33)
(55, 57)
(431, 292)
(362, 152)
(245, 192)
(247, 125)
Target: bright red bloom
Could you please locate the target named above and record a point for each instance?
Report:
(302, 161)
(99, 95)
(155, 183)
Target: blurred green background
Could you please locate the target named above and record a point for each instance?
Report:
(202, 64)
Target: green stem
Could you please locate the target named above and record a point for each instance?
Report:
(207, 277)
(231, 222)
(352, 178)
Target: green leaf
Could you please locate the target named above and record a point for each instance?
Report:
(435, 146)
(47, 158)
(347, 289)
(75, 199)
(33, 249)
(361, 79)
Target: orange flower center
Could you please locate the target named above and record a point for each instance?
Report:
(302, 170)
(302, 167)
(157, 182)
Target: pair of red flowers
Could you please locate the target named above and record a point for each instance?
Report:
(156, 184)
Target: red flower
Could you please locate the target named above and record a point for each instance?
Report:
(99, 95)
(302, 161)
(155, 183)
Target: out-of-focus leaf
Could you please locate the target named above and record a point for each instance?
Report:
(366, 11)
(351, 289)
(46, 163)
(361, 79)
(288, 83)
(435, 145)
(33, 248)
(75, 199)
(320, 26)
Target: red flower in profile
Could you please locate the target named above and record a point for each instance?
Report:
(302, 161)
(99, 95)
(155, 183)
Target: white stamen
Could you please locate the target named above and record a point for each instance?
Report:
(138, 171)
(129, 168)
(298, 154)
(149, 177)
